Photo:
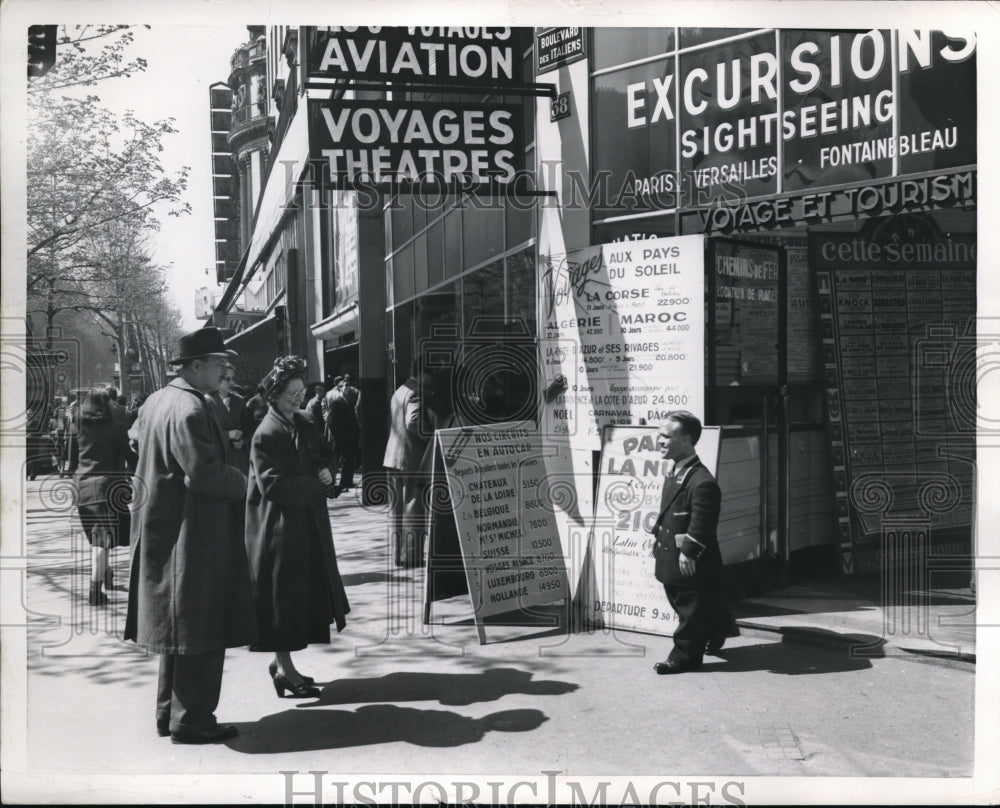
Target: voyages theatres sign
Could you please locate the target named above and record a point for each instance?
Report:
(403, 143)
(783, 111)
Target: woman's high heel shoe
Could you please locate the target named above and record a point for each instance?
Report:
(273, 670)
(97, 597)
(299, 691)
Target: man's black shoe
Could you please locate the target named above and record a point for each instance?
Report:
(163, 727)
(670, 666)
(714, 645)
(220, 732)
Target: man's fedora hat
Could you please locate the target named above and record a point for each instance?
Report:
(199, 344)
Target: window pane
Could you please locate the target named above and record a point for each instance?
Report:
(699, 36)
(634, 143)
(482, 232)
(402, 274)
(615, 46)
(435, 254)
(453, 243)
(482, 297)
(420, 264)
(521, 296)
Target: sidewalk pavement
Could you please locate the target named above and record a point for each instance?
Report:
(401, 697)
(872, 614)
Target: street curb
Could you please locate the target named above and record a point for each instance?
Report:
(831, 639)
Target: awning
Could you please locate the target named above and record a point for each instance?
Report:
(337, 324)
(257, 347)
(286, 170)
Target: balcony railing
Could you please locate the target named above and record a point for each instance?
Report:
(248, 113)
(251, 52)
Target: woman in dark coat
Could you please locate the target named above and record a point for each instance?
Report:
(298, 592)
(103, 485)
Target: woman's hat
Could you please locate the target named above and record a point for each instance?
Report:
(198, 344)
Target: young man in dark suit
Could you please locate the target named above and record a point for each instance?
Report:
(688, 560)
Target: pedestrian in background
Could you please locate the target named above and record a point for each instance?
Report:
(404, 452)
(314, 404)
(231, 411)
(688, 559)
(344, 433)
(297, 587)
(256, 408)
(104, 488)
(189, 592)
(351, 394)
(70, 430)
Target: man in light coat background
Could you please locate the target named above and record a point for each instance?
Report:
(189, 593)
(404, 454)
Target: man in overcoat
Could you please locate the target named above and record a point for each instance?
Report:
(189, 593)
(688, 559)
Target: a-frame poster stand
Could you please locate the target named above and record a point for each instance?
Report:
(624, 594)
(495, 537)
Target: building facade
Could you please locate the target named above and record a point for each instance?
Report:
(835, 191)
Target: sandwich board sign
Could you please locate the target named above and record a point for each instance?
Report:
(502, 535)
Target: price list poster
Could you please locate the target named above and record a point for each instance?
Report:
(624, 329)
(897, 316)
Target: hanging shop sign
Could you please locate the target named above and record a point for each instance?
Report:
(897, 313)
(558, 47)
(783, 111)
(422, 54)
(623, 328)
(407, 143)
(623, 592)
(507, 533)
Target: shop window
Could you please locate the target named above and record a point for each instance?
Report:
(435, 254)
(402, 222)
(482, 293)
(420, 279)
(632, 150)
(615, 46)
(521, 295)
(482, 232)
(699, 36)
(453, 243)
(402, 274)
(419, 213)
(519, 218)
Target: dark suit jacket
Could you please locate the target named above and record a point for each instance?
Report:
(234, 417)
(689, 504)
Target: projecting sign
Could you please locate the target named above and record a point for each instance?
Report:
(425, 54)
(556, 47)
(376, 143)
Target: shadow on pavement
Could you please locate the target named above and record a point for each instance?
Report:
(445, 688)
(298, 731)
(794, 658)
(358, 578)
